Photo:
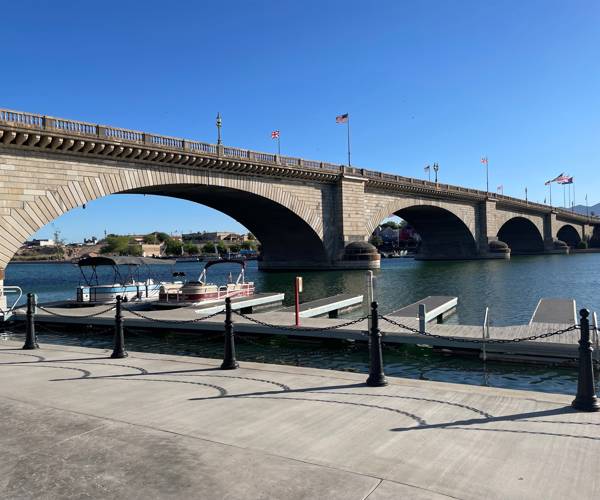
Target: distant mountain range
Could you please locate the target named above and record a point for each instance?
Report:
(582, 209)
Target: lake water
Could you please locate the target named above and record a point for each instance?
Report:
(510, 288)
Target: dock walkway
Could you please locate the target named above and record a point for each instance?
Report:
(449, 336)
(78, 424)
(328, 305)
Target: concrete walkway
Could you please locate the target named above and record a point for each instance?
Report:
(76, 424)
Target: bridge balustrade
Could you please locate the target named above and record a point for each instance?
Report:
(36, 121)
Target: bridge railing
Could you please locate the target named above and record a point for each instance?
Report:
(36, 121)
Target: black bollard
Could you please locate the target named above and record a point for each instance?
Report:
(30, 337)
(119, 342)
(586, 392)
(376, 375)
(229, 362)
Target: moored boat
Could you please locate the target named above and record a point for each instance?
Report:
(201, 292)
(130, 286)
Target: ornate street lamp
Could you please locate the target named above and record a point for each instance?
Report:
(219, 123)
(436, 167)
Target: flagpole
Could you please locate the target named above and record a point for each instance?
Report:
(279, 144)
(550, 186)
(348, 123)
(564, 197)
(487, 175)
(587, 208)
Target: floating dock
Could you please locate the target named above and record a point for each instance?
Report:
(463, 338)
(437, 307)
(563, 311)
(332, 306)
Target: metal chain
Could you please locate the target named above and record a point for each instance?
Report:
(175, 321)
(478, 340)
(83, 317)
(301, 328)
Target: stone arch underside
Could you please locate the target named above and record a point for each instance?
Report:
(444, 236)
(284, 236)
(288, 228)
(569, 235)
(522, 236)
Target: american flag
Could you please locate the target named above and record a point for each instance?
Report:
(427, 168)
(275, 134)
(484, 160)
(556, 179)
(565, 179)
(342, 118)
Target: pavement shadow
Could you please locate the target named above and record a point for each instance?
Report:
(170, 372)
(286, 391)
(44, 360)
(527, 417)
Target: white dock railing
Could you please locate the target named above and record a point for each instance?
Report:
(485, 333)
(596, 339)
(5, 308)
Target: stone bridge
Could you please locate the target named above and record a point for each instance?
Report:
(307, 214)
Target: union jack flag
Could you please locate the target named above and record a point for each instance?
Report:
(275, 134)
(484, 160)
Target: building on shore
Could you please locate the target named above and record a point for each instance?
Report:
(226, 237)
(153, 250)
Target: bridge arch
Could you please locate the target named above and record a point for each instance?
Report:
(444, 233)
(522, 236)
(289, 228)
(569, 234)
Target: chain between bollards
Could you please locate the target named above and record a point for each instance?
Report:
(119, 341)
(585, 399)
(229, 361)
(30, 337)
(376, 375)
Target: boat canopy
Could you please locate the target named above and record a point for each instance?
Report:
(122, 261)
(210, 263)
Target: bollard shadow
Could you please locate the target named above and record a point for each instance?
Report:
(528, 417)
(44, 360)
(170, 372)
(318, 389)
(488, 420)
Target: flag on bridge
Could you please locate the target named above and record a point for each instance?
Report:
(427, 168)
(345, 118)
(275, 137)
(565, 179)
(559, 176)
(484, 160)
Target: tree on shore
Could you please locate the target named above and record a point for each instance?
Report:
(121, 245)
(221, 248)
(190, 249)
(173, 247)
(209, 247)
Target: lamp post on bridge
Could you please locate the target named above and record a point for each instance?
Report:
(436, 167)
(219, 123)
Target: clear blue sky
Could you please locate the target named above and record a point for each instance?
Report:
(428, 81)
